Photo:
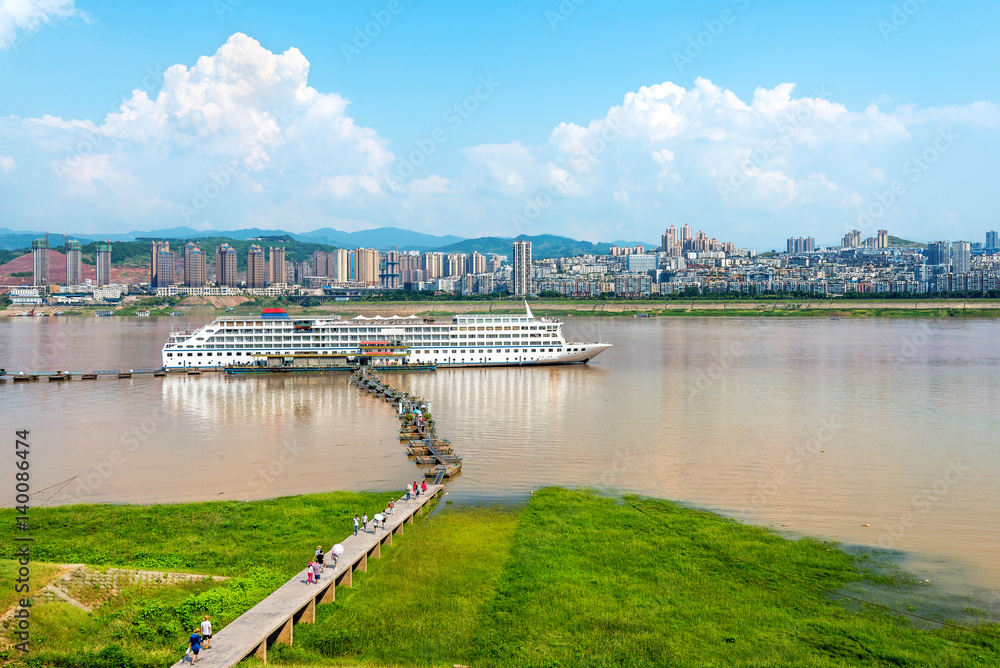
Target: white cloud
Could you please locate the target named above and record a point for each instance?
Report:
(237, 134)
(26, 17)
(674, 154)
(432, 185)
(239, 139)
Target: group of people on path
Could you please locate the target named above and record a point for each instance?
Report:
(413, 489)
(202, 636)
(200, 639)
(318, 564)
(315, 567)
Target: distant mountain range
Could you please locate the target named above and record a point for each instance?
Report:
(382, 237)
(543, 246)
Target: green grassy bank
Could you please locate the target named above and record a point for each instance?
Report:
(574, 578)
(259, 545)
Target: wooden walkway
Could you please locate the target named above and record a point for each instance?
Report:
(273, 619)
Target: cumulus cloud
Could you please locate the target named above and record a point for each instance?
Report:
(26, 17)
(239, 132)
(676, 153)
(239, 138)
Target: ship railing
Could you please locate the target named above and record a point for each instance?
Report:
(235, 318)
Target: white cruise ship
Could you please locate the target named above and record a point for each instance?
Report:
(467, 340)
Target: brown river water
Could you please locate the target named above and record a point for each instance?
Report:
(812, 426)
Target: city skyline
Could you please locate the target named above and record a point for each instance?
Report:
(689, 123)
(984, 233)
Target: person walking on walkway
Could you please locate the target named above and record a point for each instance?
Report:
(317, 569)
(206, 632)
(364, 522)
(407, 493)
(392, 506)
(320, 557)
(194, 645)
(355, 525)
(423, 486)
(309, 573)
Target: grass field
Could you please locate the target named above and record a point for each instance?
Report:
(259, 544)
(574, 578)
(589, 580)
(39, 576)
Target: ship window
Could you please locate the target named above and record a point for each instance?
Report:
(170, 354)
(199, 354)
(190, 354)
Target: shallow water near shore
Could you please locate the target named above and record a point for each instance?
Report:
(811, 426)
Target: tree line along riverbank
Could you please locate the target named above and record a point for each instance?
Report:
(572, 578)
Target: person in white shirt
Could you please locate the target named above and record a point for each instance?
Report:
(206, 632)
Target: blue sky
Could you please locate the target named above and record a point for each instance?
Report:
(753, 121)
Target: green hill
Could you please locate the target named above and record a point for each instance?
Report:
(896, 241)
(542, 246)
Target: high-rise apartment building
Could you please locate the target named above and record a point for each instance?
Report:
(433, 265)
(475, 263)
(801, 245)
(195, 274)
(454, 264)
(255, 267)
(74, 262)
(521, 277)
(366, 265)
(225, 266)
(883, 238)
(276, 271)
(851, 240)
(669, 239)
(164, 275)
(320, 263)
(103, 263)
(155, 248)
(992, 240)
(341, 269)
(685, 233)
(40, 261)
(961, 257)
(939, 252)
(302, 269)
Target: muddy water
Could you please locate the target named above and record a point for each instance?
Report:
(813, 426)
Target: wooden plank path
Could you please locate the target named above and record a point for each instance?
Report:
(273, 619)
